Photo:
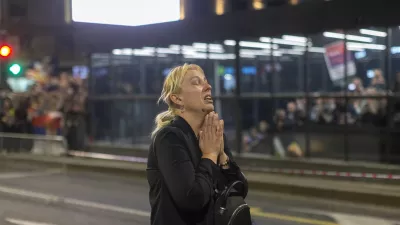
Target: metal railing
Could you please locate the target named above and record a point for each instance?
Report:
(31, 143)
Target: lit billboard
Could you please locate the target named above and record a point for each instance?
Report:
(125, 12)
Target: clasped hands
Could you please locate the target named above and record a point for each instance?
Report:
(211, 138)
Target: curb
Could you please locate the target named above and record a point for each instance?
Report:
(253, 160)
(339, 173)
(255, 183)
(387, 178)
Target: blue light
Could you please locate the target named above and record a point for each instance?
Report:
(249, 70)
(360, 55)
(246, 70)
(370, 74)
(395, 49)
(229, 70)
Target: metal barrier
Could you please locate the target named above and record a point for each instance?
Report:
(35, 144)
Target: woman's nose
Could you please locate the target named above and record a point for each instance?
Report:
(207, 87)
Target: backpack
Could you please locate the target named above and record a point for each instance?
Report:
(230, 207)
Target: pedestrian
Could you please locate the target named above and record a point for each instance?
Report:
(189, 161)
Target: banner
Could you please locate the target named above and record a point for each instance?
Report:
(334, 58)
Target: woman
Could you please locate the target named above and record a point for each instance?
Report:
(188, 158)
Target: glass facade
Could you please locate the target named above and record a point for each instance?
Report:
(328, 95)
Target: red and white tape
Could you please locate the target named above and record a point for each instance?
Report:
(379, 176)
(95, 155)
(328, 173)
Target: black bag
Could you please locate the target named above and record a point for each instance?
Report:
(230, 207)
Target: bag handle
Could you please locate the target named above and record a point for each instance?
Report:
(228, 190)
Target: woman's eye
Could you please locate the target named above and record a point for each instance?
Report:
(196, 82)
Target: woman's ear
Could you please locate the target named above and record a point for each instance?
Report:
(176, 100)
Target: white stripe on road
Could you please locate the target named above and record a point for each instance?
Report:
(71, 201)
(14, 175)
(25, 222)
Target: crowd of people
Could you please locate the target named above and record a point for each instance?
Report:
(53, 105)
(369, 111)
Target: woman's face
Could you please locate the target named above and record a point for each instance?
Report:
(195, 93)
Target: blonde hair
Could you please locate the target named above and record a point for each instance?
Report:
(172, 85)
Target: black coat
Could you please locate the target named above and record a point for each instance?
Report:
(181, 182)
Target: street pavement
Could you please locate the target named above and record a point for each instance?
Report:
(38, 195)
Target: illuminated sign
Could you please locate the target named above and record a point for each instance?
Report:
(125, 12)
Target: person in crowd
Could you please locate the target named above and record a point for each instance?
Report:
(295, 116)
(291, 117)
(323, 111)
(301, 107)
(343, 113)
(378, 82)
(53, 119)
(8, 124)
(316, 110)
(36, 112)
(251, 138)
(263, 127)
(7, 116)
(189, 156)
(358, 86)
(279, 120)
(372, 109)
(22, 124)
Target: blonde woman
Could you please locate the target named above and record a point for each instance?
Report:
(188, 158)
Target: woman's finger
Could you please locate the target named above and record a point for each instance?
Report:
(205, 123)
(217, 116)
(215, 122)
(221, 125)
(209, 126)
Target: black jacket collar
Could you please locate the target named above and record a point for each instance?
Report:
(183, 125)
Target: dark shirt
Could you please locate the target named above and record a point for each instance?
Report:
(181, 182)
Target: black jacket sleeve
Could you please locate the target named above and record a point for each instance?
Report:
(234, 173)
(190, 188)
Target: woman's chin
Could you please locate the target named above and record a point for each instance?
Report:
(208, 108)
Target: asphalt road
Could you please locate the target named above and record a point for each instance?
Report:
(35, 195)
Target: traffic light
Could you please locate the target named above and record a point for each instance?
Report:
(15, 69)
(5, 51)
(9, 67)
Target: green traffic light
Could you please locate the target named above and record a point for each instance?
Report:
(15, 69)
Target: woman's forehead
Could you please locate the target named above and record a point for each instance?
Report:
(194, 73)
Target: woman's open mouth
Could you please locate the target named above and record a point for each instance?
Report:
(208, 99)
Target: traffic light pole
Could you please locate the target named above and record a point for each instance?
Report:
(3, 18)
(3, 63)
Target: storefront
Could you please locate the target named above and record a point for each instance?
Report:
(340, 56)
